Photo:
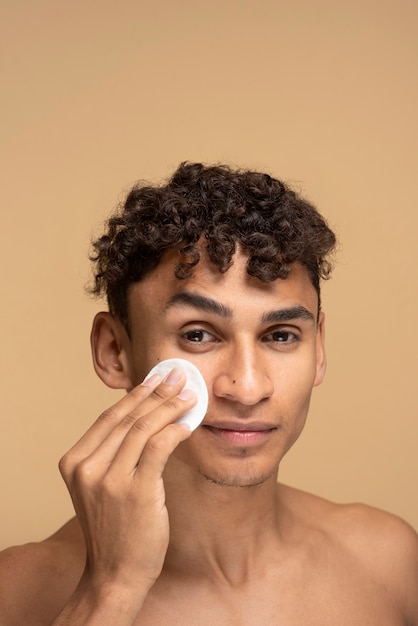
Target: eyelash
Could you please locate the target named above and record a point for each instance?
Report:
(286, 334)
(287, 337)
(195, 331)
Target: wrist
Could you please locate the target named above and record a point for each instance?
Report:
(104, 604)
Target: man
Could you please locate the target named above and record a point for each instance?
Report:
(222, 268)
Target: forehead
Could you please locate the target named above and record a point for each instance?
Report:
(235, 288)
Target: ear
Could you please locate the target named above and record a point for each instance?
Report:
(110, 346)
(321, 359)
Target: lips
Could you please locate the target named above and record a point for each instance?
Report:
(241, 426)
(241, 434)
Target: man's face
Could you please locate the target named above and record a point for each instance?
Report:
(259, 347)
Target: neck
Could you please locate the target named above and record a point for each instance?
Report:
(223, 530)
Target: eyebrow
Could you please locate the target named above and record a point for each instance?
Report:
(286, 315)
(197, 301)
(208, 305)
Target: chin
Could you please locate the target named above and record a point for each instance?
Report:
(244, 478)
(242, 467)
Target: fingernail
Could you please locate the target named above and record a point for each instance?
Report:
(186, 394)
(152, 380)
(173, 377)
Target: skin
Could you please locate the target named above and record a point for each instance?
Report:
(181, 528)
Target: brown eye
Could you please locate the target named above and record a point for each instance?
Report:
(282, 336)
(194, 335)
(197, 335)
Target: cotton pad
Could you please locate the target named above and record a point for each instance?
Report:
(194, 381)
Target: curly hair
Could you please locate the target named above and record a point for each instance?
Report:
(222, 206)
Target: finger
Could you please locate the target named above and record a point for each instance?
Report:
(96, 460)
(125, 412)
(157, 452)
(118, 457)
(148, 417)
(170, 385)
(130, 449)
(151, 464)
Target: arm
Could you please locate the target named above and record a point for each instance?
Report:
(114, 475)
(410, 576)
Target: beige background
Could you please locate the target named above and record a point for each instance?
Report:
(98, 94)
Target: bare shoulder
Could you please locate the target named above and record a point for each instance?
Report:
(388, 548)
(382, 544)
(36, 579)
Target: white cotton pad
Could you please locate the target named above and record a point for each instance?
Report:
(194, 381)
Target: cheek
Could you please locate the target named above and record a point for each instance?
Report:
(296, 376)
(151, 343)
(293, 390)
(144, 359)
(294, 415)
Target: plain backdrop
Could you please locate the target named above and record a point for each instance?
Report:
(96, 95)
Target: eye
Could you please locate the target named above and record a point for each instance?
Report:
(282, 336)
(198, 335)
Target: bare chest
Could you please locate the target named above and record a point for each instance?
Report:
(320, 601)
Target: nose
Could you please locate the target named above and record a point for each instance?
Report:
(243, 377)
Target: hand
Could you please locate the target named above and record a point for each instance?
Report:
(114, 475)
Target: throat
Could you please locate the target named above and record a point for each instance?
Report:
(223, 528)
(231, 558)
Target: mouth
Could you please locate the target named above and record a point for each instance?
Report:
(241, 433)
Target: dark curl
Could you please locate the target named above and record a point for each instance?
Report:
(272, 224)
